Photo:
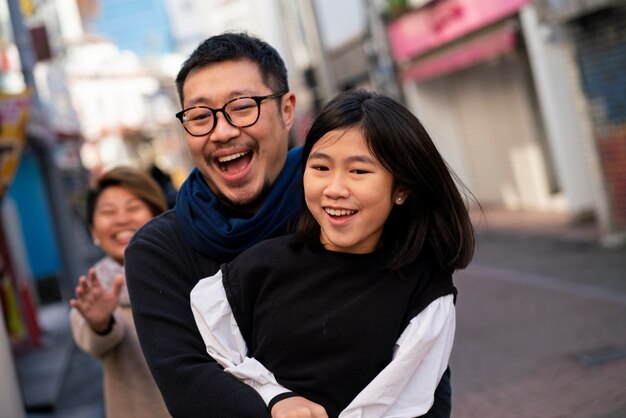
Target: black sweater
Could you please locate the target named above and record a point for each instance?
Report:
(326, 323)
(161, 269)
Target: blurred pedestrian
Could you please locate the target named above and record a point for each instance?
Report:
(122, 200)
(353, 316)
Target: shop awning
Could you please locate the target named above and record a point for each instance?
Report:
(483, 47)
(445, 21)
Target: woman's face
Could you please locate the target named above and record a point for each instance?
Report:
(348, 192)
(117, 216)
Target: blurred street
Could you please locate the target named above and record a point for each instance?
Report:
(58, 380)
(524, 99)
(541, 330)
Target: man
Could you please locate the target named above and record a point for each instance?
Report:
(246, 187)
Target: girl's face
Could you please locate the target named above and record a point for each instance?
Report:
(117, 216)
(348, 192)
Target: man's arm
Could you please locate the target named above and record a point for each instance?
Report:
(224, 342)
(161, 270)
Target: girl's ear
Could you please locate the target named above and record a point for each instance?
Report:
(400, 196)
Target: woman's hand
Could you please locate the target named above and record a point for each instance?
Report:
(298, 407)
(95, 303)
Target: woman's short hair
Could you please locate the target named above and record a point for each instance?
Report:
(434, 218)
(133, 180)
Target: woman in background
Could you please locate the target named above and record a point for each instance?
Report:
(122, 200)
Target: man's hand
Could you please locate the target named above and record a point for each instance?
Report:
(298, 407)
(95, 303)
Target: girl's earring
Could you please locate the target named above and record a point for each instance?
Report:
(399, 198)
(96, 241)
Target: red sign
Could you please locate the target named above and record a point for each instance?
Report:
(444, 21)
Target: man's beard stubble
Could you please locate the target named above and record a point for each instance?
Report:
(250, 206)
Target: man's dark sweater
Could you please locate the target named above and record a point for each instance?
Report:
(161, 269)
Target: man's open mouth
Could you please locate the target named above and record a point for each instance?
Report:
(234, 163)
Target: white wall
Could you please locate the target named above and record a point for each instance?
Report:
(483, 123)
(551, 72)
(339, 21)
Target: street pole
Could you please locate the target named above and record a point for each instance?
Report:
(380, 61)
(11, 402)
(325, 80)
(42, 140)
(24, 44)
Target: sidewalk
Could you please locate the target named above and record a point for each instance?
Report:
(58, 380)
(541, 322)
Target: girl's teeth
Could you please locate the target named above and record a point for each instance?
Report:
(339, 212)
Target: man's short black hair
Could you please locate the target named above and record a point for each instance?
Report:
(237, 46)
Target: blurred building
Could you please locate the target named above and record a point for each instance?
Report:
(595, 32)
(141, 26)
(507, 89)
(95, 105)
(90, 105)
(121, 75)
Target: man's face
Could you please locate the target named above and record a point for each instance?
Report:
(238, 164)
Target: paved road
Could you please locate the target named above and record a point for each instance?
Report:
(541, 328)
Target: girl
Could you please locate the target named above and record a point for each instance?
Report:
(353, 316)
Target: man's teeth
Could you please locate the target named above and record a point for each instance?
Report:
(231, 157)
(339, 212)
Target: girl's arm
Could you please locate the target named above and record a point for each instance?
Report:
(406, 387)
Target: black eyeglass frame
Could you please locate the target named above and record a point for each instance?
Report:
(258, 100)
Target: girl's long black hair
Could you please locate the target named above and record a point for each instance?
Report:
(435, 216)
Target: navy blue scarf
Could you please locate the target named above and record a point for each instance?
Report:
(211, 228)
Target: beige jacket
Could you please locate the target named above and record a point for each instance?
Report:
(129, 389)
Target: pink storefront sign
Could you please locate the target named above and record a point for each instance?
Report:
(479, 49)
(444, 21)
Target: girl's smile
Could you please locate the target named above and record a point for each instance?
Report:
(348, 192)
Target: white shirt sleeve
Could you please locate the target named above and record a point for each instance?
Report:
(406, 387)
(223, 339)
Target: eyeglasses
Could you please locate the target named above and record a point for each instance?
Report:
(240, 112)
